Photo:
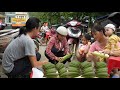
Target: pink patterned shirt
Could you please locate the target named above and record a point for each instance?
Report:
(95, 47)
(62, 46)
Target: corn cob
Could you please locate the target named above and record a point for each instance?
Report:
(88, 75)
(73, 69)
(53, 70)
(48, 66)
(52, 75)
(75, 63)
(66, 57)
(102, 55)
(89, 69)
(101, 64)
(86, 64)
(63, 70)
(101, 70)
(59, 65)
(64, 75)
(73, 74)
(102, 75)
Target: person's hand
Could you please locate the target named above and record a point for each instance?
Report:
(58, 58)
(44, 62)
(106, 51)
(91, 56)
(37, 49)
(41, 63)
(68, 53)
(80, 52)
(89, 43)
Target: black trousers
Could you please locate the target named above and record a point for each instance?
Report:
(22, 67)
(57, 53)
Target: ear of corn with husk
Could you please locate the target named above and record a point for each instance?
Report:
(86, 64)
(75, 63)
(48, 65)
(59, 65)
(101, 65)
(76, 69)
(101, 70)
(102, 55)
(65, 57)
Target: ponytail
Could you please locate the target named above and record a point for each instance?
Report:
(21, 31)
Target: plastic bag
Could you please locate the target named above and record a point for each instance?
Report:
(36, 73)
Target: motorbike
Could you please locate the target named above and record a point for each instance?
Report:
(41, 39)
(51, 32)
(2, 26)
(75, 31)
(48, 36)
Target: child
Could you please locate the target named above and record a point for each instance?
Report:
(113, 39)
(84, 47)
(112, 43)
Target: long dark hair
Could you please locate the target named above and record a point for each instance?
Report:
(31, 23)
(99, 28)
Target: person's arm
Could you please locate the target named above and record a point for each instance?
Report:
(115, 53)
(89, 55)
(112, 42)
(31, 53)
(36, 63)
(88, 47)
(66, 47)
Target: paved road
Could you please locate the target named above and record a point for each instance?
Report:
(42, 50)
(8, 27)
